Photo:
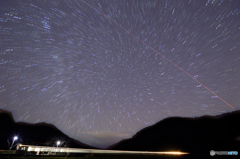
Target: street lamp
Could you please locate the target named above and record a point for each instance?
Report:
(14, 138)
(58, 143)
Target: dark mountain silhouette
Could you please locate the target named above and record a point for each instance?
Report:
(197, 135)
(33, 134)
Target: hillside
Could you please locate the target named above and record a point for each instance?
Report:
(195, 135)
(43, 134)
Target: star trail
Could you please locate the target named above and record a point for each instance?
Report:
(101, 70)
(165, 58)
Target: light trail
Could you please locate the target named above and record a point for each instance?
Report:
(159, 54)
(78, 150)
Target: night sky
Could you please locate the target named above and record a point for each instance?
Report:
(100, 80)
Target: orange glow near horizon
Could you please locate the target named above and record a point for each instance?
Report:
(78, 150)
(175, 153)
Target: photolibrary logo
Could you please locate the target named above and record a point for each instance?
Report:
(212, 153)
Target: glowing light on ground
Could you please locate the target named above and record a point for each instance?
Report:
(77, 150)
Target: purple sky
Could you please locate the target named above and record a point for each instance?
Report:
(64, 63)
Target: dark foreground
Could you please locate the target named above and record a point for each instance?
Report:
(101, 157)
(197, 136)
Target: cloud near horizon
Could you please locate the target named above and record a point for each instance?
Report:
(102, 139)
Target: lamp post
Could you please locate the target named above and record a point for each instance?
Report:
(14, 138)
(58, 143)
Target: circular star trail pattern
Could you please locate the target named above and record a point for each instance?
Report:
(64, 63)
